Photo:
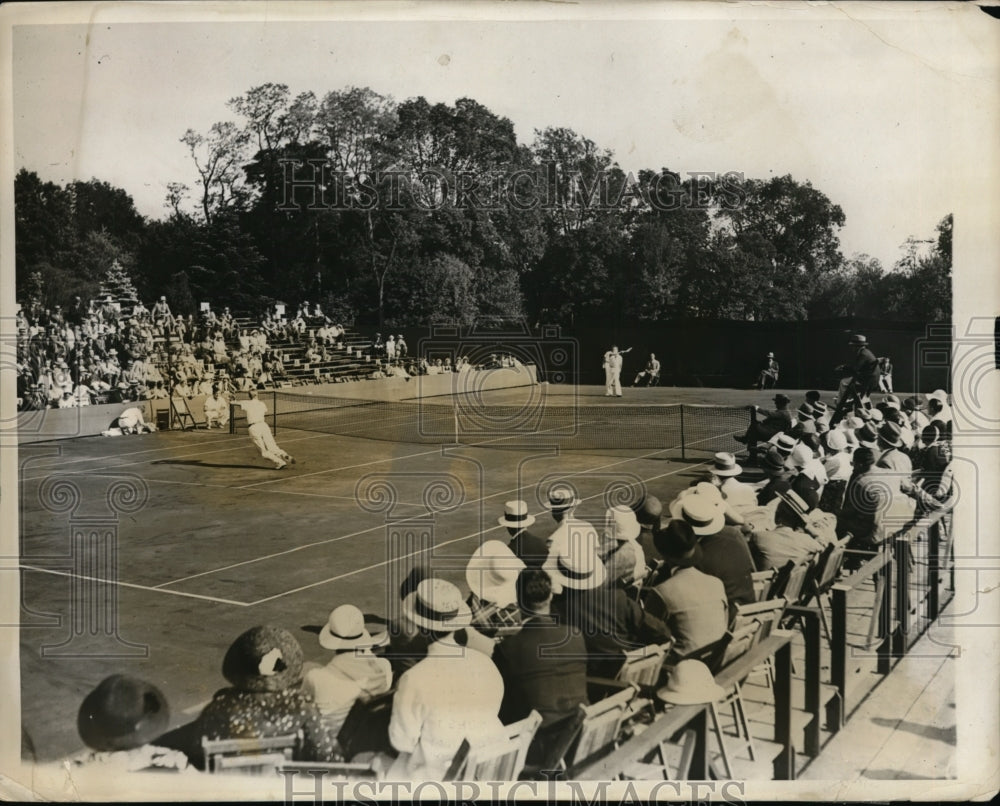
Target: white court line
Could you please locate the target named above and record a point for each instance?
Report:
(129, 453)
(380, 526)
(133, 585)
(477, 533)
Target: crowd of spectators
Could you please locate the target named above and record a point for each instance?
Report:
(459, 665)
(101, 352)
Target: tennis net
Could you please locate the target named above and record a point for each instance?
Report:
(680, 427)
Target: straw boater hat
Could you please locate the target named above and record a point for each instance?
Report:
(806, 412)
(345, 629)
(819, 408)
(437, 605)
(691, 683)
(781, 400)
(724, 464)
(621, 524)
(784, 443)
(892, 402)
(705, 516)
(515, 515)
(858, 339)
(577, 571)
(890, 434)
(877, 416)
(492, 573)
(264, 659)
(561, 498)
(773, 459)
(836, 441)
(795, 503)
(122, 713)
(801, 455)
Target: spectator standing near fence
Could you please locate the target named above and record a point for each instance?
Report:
(613, 371)
(260, 431)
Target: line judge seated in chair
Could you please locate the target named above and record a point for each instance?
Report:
(650, 375)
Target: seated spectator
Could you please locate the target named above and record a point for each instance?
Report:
(723, 474)
(610, 621)
(776, 472)
(865, 502)
(724, 552)
(695, 602)
(120, 721)
(401, 348)
(530, 548)
(889, 444)
(623, 557)
(264, 668)
(571, 535)
(809, 471)
(158, 392)
(544, 666)
(491, 575)
(406, 644)
(67, 401)
(788, 540)
(774, 422)
(82, 393)
(353, 673)
(648, 512)
(216, 409)
(451, 695)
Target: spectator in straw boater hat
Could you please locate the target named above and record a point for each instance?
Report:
(624, 559)
(491, 574)
(723, 474)
(611, 622)
(805, 421)
(867, 436)
(788, 540)
(695, 602)
(532, 549)
(724, 550)
(571, 531)
(776, 472)
(120, 722)
(264, 668)
(353, 673)
(451, 695)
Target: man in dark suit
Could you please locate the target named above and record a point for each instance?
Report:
(862, 376)
(774, 422)
(544, 666)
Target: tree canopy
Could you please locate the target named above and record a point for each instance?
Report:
(411, 212)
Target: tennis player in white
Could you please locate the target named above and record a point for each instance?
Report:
(260, 431)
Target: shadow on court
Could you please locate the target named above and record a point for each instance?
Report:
(199, 463)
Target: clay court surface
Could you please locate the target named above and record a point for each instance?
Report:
(224, 542)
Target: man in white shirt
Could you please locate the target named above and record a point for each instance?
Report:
(453, 694)
(572, 536)
(216, 409)
(260, 431)
(613, 371)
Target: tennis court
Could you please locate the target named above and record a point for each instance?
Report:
(210, 540)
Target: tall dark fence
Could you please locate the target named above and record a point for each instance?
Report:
(703, 352)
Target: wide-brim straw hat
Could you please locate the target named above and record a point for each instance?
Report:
(575, 571)
(691, 683)
(492, 573)
(705, 516)
(516, 515)
(437, 605)
(345, 629)
(621, 523)
(724, 464)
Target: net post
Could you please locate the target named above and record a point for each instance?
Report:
(454, 412)
(683, 441)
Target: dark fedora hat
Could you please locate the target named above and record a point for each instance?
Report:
(122, 713)
(677, 543)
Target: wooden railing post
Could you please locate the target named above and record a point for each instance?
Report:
(784, 764)
(933, 569)
(813, 687)
(901, 557)
(889, 630)
(838, 658)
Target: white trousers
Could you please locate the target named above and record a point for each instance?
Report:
(262, 437)
(613, 379)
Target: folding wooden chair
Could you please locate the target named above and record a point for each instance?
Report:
(600, 728)
(762, 582)
(501, 760)
(249, 756)
(751, 623)
(343, 770)
(673, 761)
(828, 565)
